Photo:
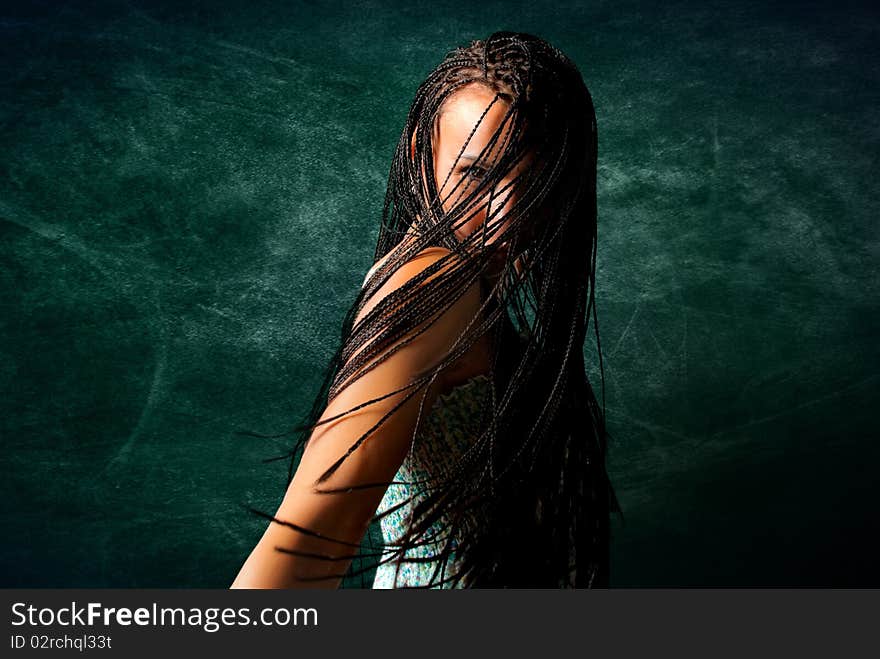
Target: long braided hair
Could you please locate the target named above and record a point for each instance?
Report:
(535, 473)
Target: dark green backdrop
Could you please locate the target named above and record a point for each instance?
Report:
(189, 199)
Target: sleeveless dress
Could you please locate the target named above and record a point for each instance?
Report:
(448, 429)
(445, 431)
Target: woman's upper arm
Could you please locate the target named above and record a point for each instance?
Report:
(346, 515)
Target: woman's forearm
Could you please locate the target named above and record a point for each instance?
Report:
(270, 566)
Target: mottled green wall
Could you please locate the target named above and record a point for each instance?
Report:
(189, 199)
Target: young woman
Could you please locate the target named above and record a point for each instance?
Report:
(457, 410)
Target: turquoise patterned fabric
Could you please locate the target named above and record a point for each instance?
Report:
(448, 429)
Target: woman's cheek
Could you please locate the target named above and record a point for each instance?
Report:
(467, 225)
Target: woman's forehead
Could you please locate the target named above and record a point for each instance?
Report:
(460, 114)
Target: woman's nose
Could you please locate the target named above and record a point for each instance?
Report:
(496, 212)
(489, 217)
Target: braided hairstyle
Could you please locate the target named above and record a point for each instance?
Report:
(535, 472)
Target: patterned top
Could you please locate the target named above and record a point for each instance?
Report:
(447, 430)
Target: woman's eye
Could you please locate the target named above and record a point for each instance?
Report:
(474, 172)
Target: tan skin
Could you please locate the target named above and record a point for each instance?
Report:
(347, 516)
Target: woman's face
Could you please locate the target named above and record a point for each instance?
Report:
(457, 176)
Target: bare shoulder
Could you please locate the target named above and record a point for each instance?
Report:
(436, 336)
(411, 269)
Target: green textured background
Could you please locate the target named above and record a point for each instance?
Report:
(189, 199)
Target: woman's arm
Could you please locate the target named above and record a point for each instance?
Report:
(346, 516)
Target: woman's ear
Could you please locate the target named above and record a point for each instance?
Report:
(412, 148)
